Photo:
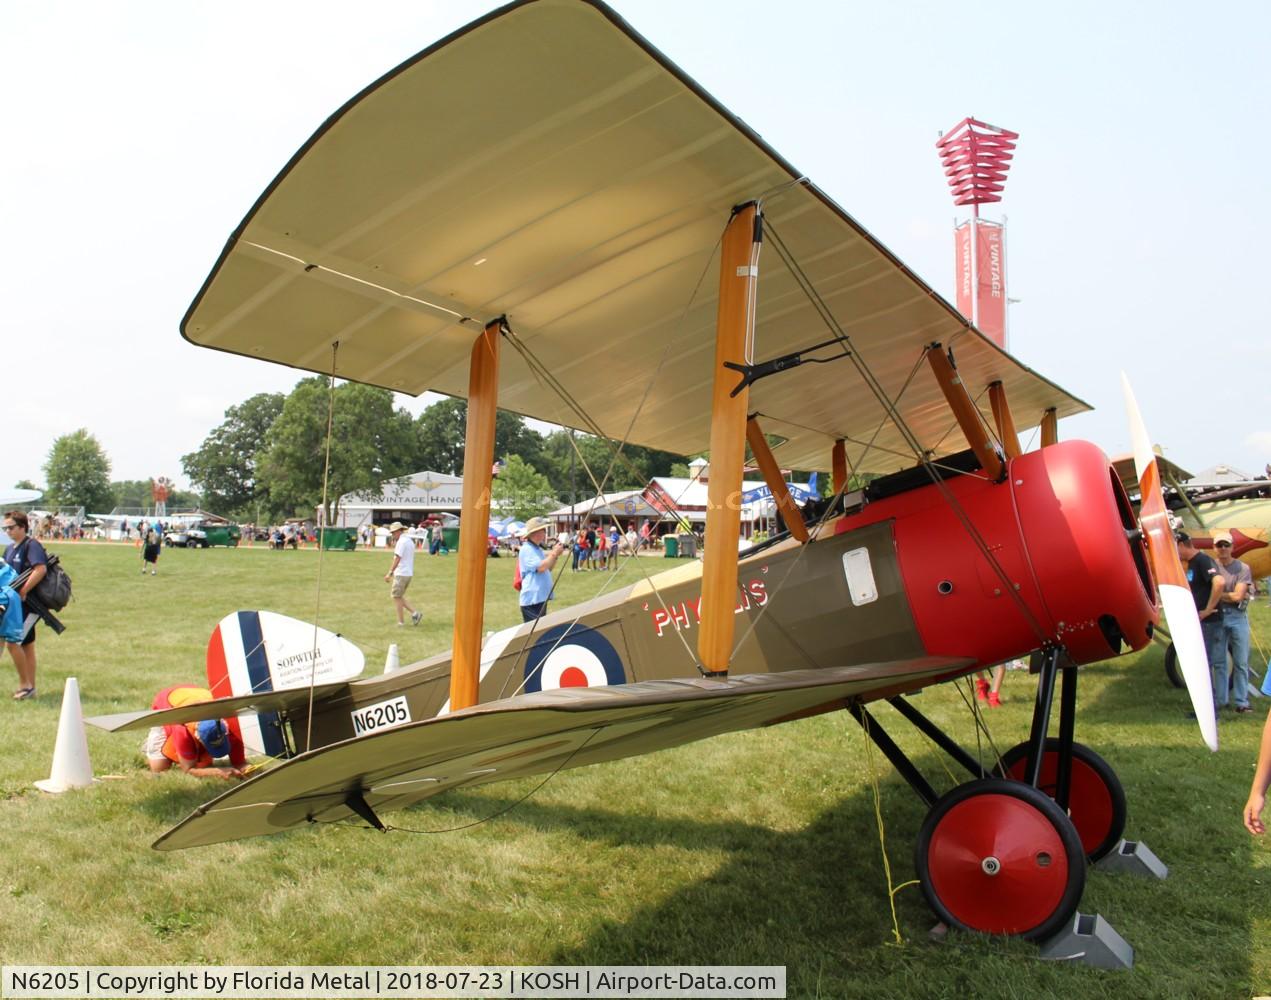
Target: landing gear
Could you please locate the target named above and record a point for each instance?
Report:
(999, 857)
(1175, 675)
(1007, 854)
(1171, 667)
(1096, 800)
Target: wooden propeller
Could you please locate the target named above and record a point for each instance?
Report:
(1171, 580)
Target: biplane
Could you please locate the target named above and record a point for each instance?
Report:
(543, 190)
(1242, 509)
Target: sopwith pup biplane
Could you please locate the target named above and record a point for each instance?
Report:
(543, 192)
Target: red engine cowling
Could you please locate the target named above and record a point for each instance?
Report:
(1061, 529)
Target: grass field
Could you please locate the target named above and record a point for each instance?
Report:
(757, 848)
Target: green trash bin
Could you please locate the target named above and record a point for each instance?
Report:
(338, 539)
(450, 538)
(221, 534)
(672, 546)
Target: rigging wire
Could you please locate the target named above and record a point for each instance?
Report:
(326, 479)
(498, 812)
(1032, 438)
(883, 422)
(981, 724)
(546, 377)
(533, 362)
(978, 412)
(923, 455)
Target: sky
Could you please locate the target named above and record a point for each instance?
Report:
(138, 134)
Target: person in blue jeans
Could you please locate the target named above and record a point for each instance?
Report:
(1232, 630)
(22, 553)
(536, 567)
(1206, 583)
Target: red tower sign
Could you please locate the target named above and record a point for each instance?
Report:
(976, 157)
(159, 490)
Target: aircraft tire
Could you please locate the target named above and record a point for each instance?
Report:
(1096, 798)
(1176, 678)
(999, 857)
(1171, 667)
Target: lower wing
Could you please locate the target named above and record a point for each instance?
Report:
(526, 735)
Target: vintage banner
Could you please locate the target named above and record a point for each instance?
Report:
(962, 267)
(990, 267)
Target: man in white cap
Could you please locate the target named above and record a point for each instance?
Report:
(1232, 631)
(535, 567)
(402, 572)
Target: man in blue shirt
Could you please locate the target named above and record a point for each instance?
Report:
(536, 567)
(1207, 585)
(24, 552)
(615, 539)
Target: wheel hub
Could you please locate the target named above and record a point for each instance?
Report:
(990, 865)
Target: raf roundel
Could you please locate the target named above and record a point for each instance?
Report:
(572, 656)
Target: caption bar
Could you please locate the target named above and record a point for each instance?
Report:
(259, 982)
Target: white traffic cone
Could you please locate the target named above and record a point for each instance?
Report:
(393, 662)
(71, 766)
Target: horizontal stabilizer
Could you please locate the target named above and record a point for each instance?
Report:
(221, 708)
(526, 735)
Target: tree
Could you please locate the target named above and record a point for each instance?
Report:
(519, 490)
(25, 484)
(136, 493)
(78, 472)
(441, 431)
(130, 492)
(371, 442)
(439, 437)
(224, 467)
(631, 470)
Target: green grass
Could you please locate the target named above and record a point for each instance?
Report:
(757, 848)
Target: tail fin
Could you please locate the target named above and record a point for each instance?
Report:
(250, 652)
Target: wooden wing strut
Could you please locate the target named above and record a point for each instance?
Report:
(838, 462)
(1005, 422)
(1050, 428)
(790, 512)
(478, 462)
(734, 334)
(968, 417)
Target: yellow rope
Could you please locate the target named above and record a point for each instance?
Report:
(882, 835)
(317, 601)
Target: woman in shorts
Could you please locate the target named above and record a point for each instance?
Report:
(150, 550)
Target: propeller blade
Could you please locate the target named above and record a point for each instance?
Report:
(1171, 581)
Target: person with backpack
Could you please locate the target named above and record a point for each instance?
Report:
(21, 553)
(153, 545)
(534, 569)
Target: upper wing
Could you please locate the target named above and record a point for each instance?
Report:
(219, 708)
(546, 163)
(530, 734)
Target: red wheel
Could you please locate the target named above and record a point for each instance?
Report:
(999, 857)
(1096, 800)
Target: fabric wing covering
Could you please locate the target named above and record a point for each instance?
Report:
(548, 164)
(530, 734)
(220, 708)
